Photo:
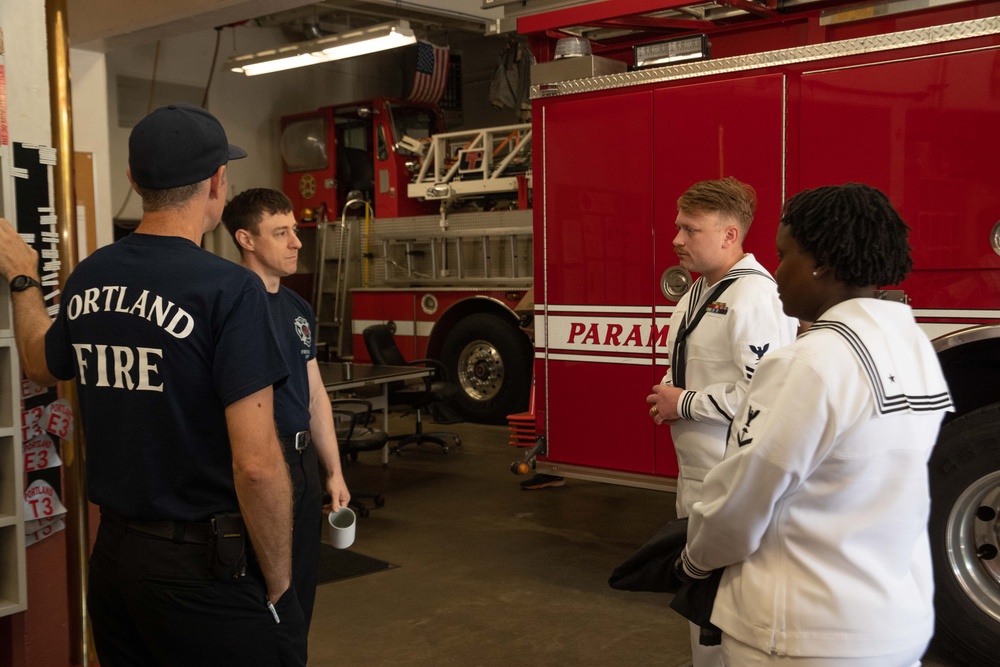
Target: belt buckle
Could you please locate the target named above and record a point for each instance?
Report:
(302, 440)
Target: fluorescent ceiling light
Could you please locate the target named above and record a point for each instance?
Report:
(324, 49)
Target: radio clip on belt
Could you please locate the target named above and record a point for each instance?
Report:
(228, 552)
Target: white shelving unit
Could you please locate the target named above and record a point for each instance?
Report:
(13, 593)
(13, 587)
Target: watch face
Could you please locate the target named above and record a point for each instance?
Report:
(21, 283)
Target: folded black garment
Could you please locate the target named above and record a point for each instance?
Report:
(694, 601)
(651, 569)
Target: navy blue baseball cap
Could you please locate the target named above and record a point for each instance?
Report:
(178, 145)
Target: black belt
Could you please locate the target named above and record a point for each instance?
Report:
(299, 441)
(185, 532)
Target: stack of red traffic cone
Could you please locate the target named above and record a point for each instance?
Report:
(522, 424)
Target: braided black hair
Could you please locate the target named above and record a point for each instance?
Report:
(852, 229)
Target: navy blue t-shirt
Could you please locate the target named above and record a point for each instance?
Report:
(294, 322)
(161, 336)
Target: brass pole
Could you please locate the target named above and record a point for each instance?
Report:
(73, 451)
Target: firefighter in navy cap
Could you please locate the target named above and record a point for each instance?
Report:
(192, 563)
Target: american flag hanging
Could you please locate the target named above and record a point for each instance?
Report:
(432, 73)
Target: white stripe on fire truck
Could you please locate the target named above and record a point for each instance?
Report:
(581, 308)
(403, 328)
(965, 314)
(933, 330)
(938, 329)
(587, 337)
(557, 356)
(960, 320)
(968, 314)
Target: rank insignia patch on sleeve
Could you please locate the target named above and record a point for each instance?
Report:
(753, 420)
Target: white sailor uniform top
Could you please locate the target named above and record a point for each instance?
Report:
(820, 507)
(722, 354)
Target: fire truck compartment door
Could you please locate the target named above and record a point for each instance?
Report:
(924, 131)
(598, 280)
(707, 131)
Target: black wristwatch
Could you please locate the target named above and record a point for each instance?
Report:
(21, 283)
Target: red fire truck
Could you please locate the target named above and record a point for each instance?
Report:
(786, 96)
(439, 242)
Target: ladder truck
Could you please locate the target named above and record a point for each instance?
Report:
(426, 229)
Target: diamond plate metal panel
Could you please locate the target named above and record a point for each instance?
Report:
(800, 54)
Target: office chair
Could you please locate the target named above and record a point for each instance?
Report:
(381, 343)
(354, 435)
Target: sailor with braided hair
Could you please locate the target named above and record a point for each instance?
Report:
(818, 513)
(867, 242)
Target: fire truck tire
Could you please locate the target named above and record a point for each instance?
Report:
(490, 360)
(964, 534)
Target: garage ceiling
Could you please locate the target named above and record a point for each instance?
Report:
(107, 25)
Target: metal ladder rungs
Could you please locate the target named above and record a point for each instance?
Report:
(341, 265)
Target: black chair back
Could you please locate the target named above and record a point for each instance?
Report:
(381, 344)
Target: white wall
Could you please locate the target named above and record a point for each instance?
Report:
(90, 133)
(28, 105)
(26, 60)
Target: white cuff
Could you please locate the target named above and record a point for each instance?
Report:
(692, 570)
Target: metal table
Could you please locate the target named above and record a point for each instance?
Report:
(338, 377)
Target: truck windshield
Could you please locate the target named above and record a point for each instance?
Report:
(413, 122)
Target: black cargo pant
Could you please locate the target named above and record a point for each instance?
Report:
(154, 601)
(307, 499)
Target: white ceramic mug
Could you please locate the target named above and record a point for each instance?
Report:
(342, 527)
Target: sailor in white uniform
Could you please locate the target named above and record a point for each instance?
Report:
(819, 510)
(729, 319)
(735, 331)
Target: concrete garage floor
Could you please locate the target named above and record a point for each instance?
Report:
(493, 575)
